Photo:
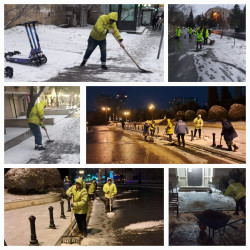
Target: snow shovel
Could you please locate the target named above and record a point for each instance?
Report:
(110, 214)
(70, 239)
(219, 146)
(143, 70)
(211, 41)
(49, 141)
(204, 136)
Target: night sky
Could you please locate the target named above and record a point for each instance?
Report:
(141, 97)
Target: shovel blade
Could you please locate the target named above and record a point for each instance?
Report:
(50, 141)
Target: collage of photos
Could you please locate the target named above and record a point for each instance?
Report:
(90, 85)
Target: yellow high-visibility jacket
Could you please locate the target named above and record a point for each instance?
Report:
(109, 188)
(169, 129)
(80, 197)
(237, 190)
(92, 187)
(36, 115)
(102, 26)
(198, 123)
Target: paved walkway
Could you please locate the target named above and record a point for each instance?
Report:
(17, 225)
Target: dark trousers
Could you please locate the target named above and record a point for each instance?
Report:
(35, 129)
(170, 137)
(198, 45)
(81, 222)
(92, 44)
(181, 138)
(241, 204)
(190, 35)
(195, 131)
(152, 132)
(205, 40)
(91, 196)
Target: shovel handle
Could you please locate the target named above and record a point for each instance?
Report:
(126, 51)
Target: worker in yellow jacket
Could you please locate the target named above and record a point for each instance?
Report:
(238, 191)
(198, 124)
(110, 192)
(92, 189)
(79, 194)
(36, 119)
(105, 24)
(169, 129)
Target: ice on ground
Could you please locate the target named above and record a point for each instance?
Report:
(110, 214)
(65, 48)
(145, 225)
(131, 199)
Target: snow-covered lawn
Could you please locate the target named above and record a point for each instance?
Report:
(65, 48)
(222, 61)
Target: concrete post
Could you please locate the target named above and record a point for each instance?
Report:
(33, 239)
(62, 210)
(192, 135)
(51, 221)
(69, 208)
(214, 144)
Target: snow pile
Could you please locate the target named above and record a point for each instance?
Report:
(144, 225)
(110, 214)
(131, 199)
(65, 48)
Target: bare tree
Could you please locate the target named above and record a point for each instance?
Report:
(18, 11)
(33, 97)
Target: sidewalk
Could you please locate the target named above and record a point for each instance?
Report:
(17, 225)
(206, 136)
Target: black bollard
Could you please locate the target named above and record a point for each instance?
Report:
(192, 135)
(158, 130)
(33, 241)
(138, 127)
(51, 221)
(214, 144)
(62, 210)
(69, 208)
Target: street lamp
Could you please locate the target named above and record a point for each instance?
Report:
(106, 109)
(152, 107)
(126, 114)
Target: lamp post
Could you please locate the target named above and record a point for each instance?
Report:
(152, 107)
(106, 109)
(126, 114)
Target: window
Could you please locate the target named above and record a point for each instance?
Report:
(128, 12)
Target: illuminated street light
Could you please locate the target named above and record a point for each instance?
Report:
(106, 109)
(81, 172)
(152, 107)
(126, 114)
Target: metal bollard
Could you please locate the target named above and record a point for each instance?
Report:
(158, 130)
(141, 128)
(69, 208)
(214, 144)
(51, 221)
(192, 135)
(62, 210)
(138, 127)
(33, 241)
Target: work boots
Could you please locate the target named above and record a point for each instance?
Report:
(83, 63)
(229, 148)
(235, 147)
(104, 66)
(41, 147)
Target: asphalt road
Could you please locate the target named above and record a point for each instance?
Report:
(131, 206)
(110, 145)
(181, 70)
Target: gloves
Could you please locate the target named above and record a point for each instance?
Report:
(121, 44)
(71, 195)
(111, 31)
(72, 205)
(120, 40)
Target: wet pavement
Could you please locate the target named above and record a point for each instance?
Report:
(184, 231)
(133, 205)
(108, 145)
(181, 69)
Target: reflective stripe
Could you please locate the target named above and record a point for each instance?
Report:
(238, 195)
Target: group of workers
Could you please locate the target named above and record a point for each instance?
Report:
(80, 196)
(201, 35)
(181, 129)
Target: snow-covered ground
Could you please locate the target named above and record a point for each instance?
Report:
(64, 150)
(65, 48)
(222, 61)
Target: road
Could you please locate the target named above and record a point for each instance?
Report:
(181, 70)
(133, 205)
(108, 145)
